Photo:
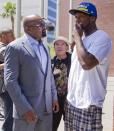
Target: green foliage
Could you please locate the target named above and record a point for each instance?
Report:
(52, 51)
(9, 10)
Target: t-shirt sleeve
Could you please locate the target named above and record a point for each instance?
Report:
(100, 48)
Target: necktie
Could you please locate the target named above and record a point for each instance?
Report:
(41, 53)
(39, 49)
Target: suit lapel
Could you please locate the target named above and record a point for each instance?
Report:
(30, 50)
(46, 51)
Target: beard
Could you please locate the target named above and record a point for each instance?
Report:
(44, 33)
(86, 26)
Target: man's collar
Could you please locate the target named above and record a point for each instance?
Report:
(32, 40)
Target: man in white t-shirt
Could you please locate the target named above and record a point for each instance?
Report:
(88, 73)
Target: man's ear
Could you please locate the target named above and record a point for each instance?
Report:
(67, 47)
(4, 36)
(93, 19)
(27, 29)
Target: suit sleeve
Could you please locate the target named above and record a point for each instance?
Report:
(11, 76)
(53, 87)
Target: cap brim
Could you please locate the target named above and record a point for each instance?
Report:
(74, 11)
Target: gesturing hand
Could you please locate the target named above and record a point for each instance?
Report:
(78, 29)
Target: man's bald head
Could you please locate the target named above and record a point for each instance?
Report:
(30, 19)
(34, 26)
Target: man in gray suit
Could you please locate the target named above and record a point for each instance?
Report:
(29, 80)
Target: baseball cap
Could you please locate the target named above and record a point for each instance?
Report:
(85, 7)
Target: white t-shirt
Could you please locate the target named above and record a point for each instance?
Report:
(88, 87)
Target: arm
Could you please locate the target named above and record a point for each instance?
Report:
(1, 66)
(86, 59)
(2, 53)
(55, 104)
(54, 95)
(11, 76)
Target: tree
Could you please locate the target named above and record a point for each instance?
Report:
(9, 10)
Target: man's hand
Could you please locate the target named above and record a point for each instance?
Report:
(1, 66)
(55, 106)
(77, 34)
(30, 117)
(78, 29)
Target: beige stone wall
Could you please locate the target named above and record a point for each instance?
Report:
(64, 17)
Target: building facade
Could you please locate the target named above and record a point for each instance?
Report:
(52, 16)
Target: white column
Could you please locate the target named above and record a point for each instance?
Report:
(70, 22)
(44, 13)
(42, 8)
(18, 18)
(46, 9)
(58, 18)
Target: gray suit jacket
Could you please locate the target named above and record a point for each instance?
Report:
(29, 87)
